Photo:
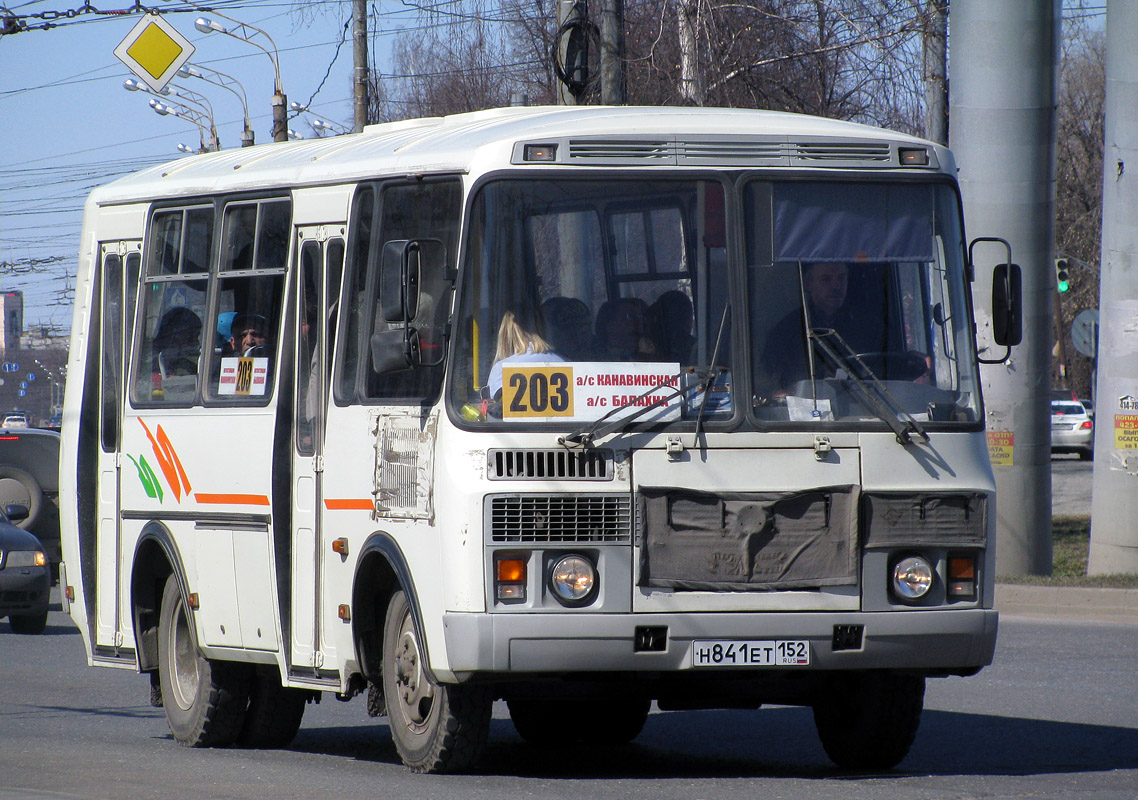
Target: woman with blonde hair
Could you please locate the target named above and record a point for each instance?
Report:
(517, 343)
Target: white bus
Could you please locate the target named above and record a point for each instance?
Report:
(578, 408)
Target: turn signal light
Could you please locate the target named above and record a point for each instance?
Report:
(510, 579)
(340, 546)
(344, 612)
(962, 576)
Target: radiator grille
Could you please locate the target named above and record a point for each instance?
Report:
(636, 149)
(568, 465)
(560, 518)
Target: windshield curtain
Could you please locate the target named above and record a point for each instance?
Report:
(871, 276)
(585, 297)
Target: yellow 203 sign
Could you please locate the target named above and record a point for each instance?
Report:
(537, 392)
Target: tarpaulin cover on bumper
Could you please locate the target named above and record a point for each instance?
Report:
(748, 540)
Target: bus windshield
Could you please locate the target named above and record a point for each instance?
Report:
(590, 300)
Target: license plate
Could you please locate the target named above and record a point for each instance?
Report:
(750, 653)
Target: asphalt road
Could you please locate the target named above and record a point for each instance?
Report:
(1071, 486)
(1056, 716)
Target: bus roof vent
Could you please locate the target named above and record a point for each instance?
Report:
(732, 152)
(558, 465)
(631, 149)
(854, 153)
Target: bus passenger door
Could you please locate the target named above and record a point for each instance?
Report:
(321, 258)
(118, 289)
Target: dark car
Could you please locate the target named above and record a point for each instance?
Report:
(29, 476)
(25, 574)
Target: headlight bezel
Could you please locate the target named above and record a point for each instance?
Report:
(912, 577)
(553, 583)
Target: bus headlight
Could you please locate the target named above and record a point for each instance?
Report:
(573, 580)
(912, 578)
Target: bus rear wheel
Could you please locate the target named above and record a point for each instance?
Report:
(868, 721)
(274, 714)
(204, 700)
(435, 727)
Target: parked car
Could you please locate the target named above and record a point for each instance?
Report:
(29, 476)
(18, 420)
(25, 574)
(1072, 429)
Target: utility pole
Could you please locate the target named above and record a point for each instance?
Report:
(1003, 82)
(613, 91)
(360, 69)
(1114, 504)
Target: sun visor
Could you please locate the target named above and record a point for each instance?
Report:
(853, 222)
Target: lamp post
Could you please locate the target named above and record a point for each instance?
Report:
(226, 82)
(320, 126)
(189, 100)
(174, 109)
(247, 33)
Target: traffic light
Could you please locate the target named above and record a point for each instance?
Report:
(1062, 275)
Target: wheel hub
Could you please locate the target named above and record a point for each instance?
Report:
(415, 692)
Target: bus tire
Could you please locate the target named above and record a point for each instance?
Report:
(868, 721)
(274, 714)
(436, 728)
(19, 486)
(537, 721)
(204, 700)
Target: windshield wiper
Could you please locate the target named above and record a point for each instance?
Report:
(587, 434)
(872, 393)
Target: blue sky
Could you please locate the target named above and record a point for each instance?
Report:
(68, 124)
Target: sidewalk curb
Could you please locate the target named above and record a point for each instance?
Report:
(1068, 602)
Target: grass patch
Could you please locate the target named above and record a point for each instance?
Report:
(1071, 538)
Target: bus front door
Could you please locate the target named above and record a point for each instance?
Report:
(118, 275)
(321, 256)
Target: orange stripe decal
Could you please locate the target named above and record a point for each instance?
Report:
(233, 499)
(349, 504)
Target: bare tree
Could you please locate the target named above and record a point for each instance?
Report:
(1078, 200)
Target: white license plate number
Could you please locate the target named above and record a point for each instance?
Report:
(750, 653)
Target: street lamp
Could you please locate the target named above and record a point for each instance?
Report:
(248, 33)
(190, 115)
(191, 101)
(294, 135)
(226, 82)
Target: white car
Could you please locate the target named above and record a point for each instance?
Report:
(1072, 429)
(14, 421)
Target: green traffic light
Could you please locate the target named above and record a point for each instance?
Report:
(1064, 286)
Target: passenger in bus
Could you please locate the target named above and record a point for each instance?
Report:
(518, 343)
(569, 324)
(785, 355)
(671, 318)
(248, 335)
(622, 331)
(177, 343)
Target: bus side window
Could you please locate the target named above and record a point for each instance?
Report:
(250, 291)
(421, 210)
(173, 306)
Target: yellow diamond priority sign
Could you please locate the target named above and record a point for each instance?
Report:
(154, 51)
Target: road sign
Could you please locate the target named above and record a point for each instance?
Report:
(31, 376)
(1084, 332)
(154, 51)
(10, 366)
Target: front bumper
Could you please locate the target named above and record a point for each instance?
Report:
(935, 641)
(24, 591)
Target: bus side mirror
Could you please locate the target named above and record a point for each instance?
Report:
(394, 350)
(399, 272)
(1007, 306)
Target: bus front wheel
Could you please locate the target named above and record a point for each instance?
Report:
(204, 700)
(868, 721)
(435, 727)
